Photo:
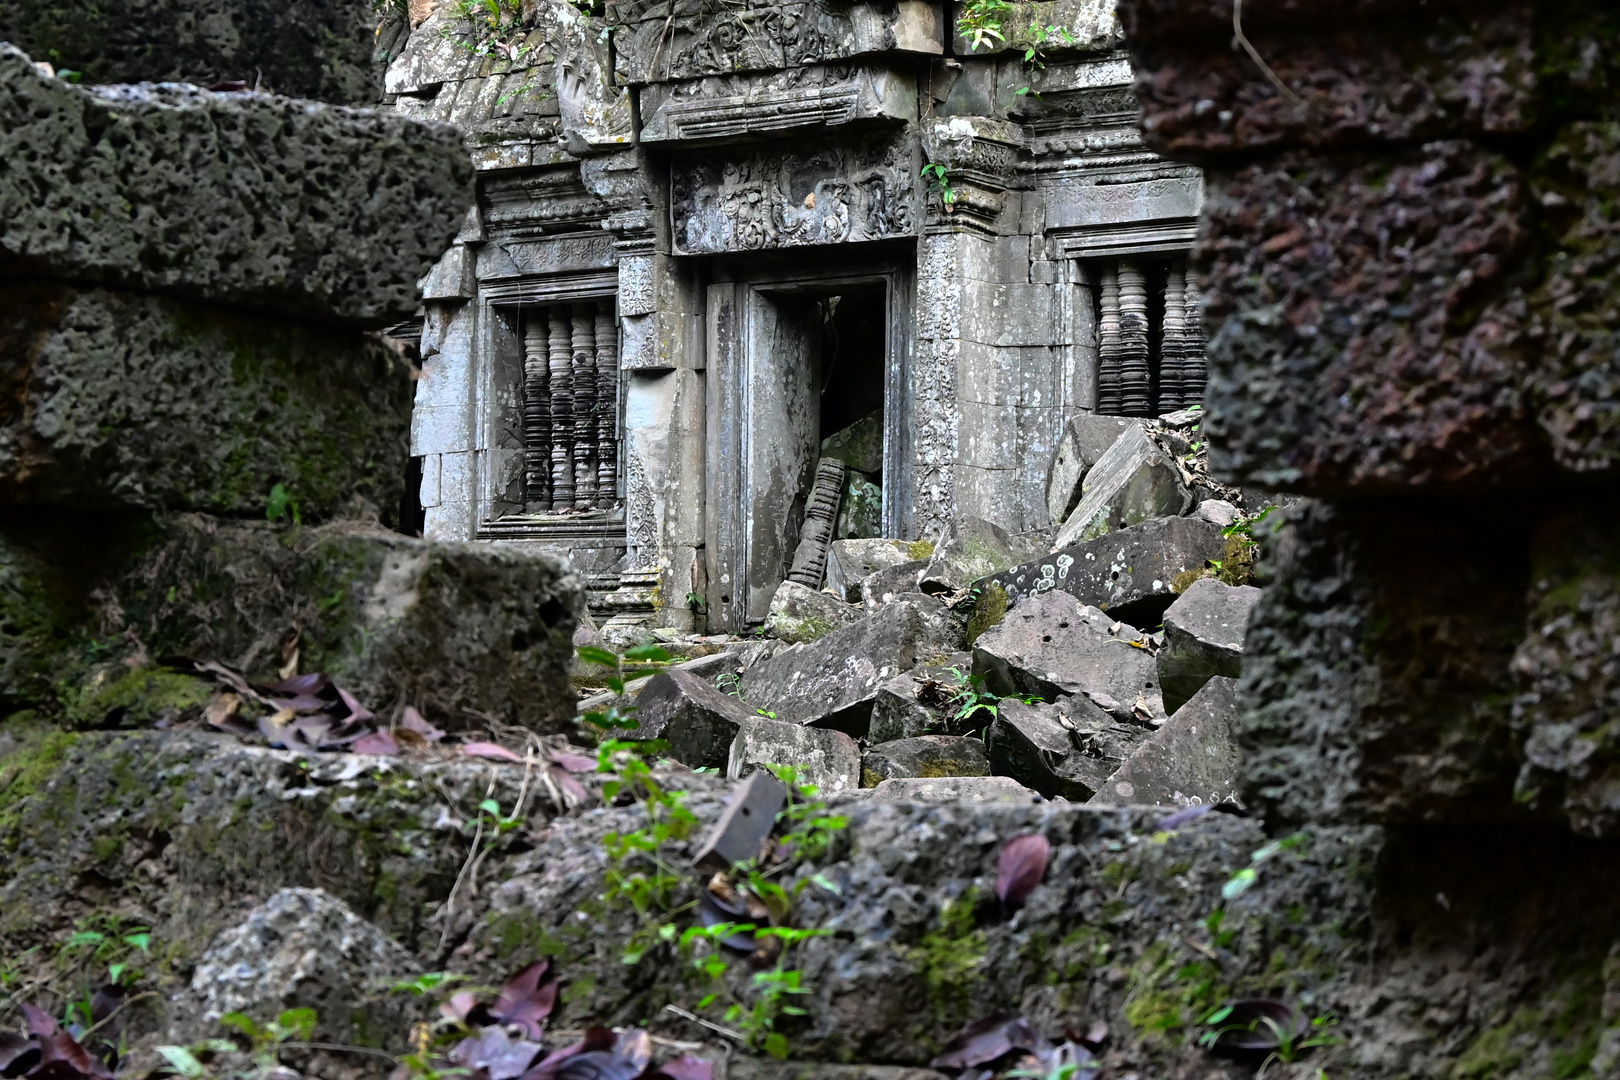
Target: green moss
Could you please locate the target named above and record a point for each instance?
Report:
(137, 697)
(950, 957)
(920, 549)
(1567, 1020)
(38, 756)
(989, 611)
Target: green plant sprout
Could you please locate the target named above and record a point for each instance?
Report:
(939, 183)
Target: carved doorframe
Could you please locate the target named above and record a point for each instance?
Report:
(737, 289)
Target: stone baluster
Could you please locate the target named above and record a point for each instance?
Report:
(560, 357)
(607, 404)
(820, 514)
(1194, 369)
(1173, 342)
(584, 364)
(536, 415)
(1134, 376)
(1108, 402)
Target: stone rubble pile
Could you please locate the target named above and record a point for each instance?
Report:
(203, 434)
(1093, 662)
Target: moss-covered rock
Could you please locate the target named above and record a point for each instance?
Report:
(123, 399)
(465, 633)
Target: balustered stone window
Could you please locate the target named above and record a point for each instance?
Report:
(570, 399)
(1150, 339)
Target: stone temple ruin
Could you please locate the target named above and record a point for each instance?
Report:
(703, 263)
(1151, 466)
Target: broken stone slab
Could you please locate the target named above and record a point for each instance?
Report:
(462, 632)
(169, 188)
(860, 445)
(1218, 511)
(951, 789)
(126, 399)
(1191, 761)
(1085, 439)
(1067, 748)
(924, 756)
(861, 512)
(890, 583)
(920, 701)
(850, 561)
(1129, 573)
(1132, 482)
(300, 949)
(317, 51)
(697, 721)
(829, 759)
(749, 817)
(833, 682)
(944, 631)
(800, 614)
(1053, 644)
(973, 548)
(1203, 637)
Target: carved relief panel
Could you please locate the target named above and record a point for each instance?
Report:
(780, 197)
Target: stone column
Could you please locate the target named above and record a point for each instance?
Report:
(1134, 376)
(1108, 359)
(582, 365)
(607, 405)
(1173, 344)
(536, 414)
(1194, 369)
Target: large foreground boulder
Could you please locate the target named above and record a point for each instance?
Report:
(128, 399)
(1052, 644)
(1190, 761)
(321, 51)
(463, 632)
(171, 189)
(1203, 637)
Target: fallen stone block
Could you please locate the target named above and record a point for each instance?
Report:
(460, 631)
(886, 585)
(697, 721)
(1085, 439)
(1053, 644)
(799, 614)
(971, 549)
(301, 948)
(749, 817)
(1067, 748)
(1218, 511)
(828, 759)
(1190, 761)
(919, 701)
(126, 399)
(950, 789)
(1129, 573)
(833, 682)
(1132, 482)
(1203, 637)
(849, 561)
(318, 51)
(170, 189)
(942, 629)
(923, 757)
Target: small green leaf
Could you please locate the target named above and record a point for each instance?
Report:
(647, 654)
(776, 1045)
(184, 1061)
(593, 655)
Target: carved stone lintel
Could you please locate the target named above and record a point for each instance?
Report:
(1134, 375)
(1108, 359)
(978, 155)
(820, 514)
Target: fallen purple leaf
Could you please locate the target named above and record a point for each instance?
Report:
(1020, 868)
(460, 1006)
(357, 711)
(687, 1067)
(595, 1040)
(377, 742)
(570, 787)
(39, 1021)
(712, 911)
(527, 999)
(411, 720)
(1184, 817)
(13, 1047)
(491, 750)
(496, 1053)
(297, 686)
(576, 763)
(985, 1041)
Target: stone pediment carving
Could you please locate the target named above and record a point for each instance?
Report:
(738, 106)
(781, 197)
(537, 202)
(685, 39)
